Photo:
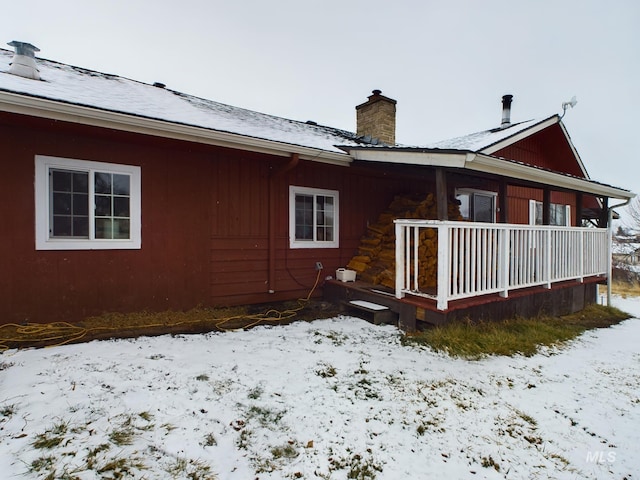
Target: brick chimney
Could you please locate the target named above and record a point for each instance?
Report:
(23, 62)
(376, 118)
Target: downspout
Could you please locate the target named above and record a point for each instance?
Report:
(293, 162)
(610, 241)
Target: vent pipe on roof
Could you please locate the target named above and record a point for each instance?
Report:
(506, 111)
(23, 63)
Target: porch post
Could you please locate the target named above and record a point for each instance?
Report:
(503, 262)
(546, 206)
(548, 258)
(400, 267)
(441, 194)
(603, 221)
(579, 207)
(444, 259)
(502, 201)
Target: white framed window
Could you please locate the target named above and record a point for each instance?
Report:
(559, 215)
(85, 205)
(313, 218)
(477, 205)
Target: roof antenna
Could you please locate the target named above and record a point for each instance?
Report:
(571, 103)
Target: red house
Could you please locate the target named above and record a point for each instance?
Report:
(124, 196)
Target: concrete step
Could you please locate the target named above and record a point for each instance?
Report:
(378, 314)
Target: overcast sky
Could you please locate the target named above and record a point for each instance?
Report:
(446, 62)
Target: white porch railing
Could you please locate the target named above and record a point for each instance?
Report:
(481, 258)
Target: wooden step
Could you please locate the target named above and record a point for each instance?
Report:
(379, 314)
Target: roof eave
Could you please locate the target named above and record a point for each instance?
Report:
(480, 162)
(62, 111)
(493, 165)
(431, 158)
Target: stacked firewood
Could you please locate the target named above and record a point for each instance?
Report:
(375, 260)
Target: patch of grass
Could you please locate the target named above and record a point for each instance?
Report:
(52, 437)
(475, 340)
(191, 469)
(527, 418)
(42, 463)
(121, 437)
(357, 466)
(146, 416)
(284, 451)
(326, 370)
(255, 393)
(5, 365)
(121, 468)
(203, 377)
(209, 440)
(624, 289)
(488, 462)
(7, 410)
(265, 416)
(336, 338)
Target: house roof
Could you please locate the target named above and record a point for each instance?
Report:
(80, 89)
(484, 140)
(93, 98)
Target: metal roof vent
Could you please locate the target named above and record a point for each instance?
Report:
(506, 111)
(23, 62)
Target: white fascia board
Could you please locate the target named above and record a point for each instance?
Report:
(50, 109)
(505, 168)
(573, 149)
(519, 136)
(434, 159)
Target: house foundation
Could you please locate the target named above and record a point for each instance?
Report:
(415, 313)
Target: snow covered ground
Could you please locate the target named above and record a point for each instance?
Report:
(337, 398)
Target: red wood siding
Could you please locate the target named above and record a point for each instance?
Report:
(205, 225)
(167, 273)
(547, 148)
(518, 202)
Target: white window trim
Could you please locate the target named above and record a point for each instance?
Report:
(293, 243)
(43, 164)
(471, 191)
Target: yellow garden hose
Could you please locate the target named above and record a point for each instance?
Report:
(63, 332)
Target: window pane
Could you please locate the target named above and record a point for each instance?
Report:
(121, 206)
(538, 213)
(62, 226)
(69, 203)
(62, 203)
(121, 229)
(81, 182)
(463, 198)
(81, 227)
(304, 217)
(121, 185)
(102, 182)
(103, 206)
(482, 208)
(325, 234)
(61, 181)
(104, 228)
(80, 204)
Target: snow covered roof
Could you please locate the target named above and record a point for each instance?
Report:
(79, 86)
(480, 141)
(85, 96)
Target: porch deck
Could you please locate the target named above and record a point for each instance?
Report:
(417, 312)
